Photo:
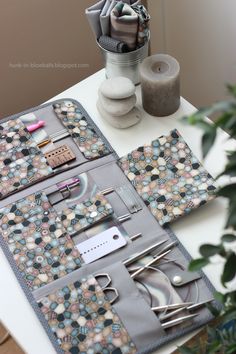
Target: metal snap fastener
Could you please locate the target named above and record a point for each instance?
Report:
(177, 279)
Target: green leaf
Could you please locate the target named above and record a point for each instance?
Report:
(212, 333)
(229, 316)
(208, 140)
(227, 191)
(230, 125)
(219, 297)
(208, 250)
(224, 120)
(231, 222)
(229, 268)
(228, 238)
(198, 264)
(231, 89)
(231, 349)
(230, 170)
(214, 311)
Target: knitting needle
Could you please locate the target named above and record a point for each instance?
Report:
(171, 306)
(123, 218)
(172, 313)
(178, 321)
(166, 248)
(140, 270)
(136, 257)
(199, 304)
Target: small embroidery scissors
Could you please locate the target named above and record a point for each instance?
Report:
(106, 288)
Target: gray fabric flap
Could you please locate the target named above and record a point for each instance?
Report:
(140, 321)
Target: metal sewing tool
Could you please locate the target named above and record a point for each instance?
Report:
(107, 190)
(143, 253)
(124, 217)
(129, 198)
(53, 138)
(177, 321)
(106, 288)
(135, 237)
(141, 269)
(171, 306)
(166, 248)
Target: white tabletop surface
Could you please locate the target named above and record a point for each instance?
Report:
(202, 225)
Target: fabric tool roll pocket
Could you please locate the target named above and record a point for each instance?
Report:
(83, 133)
(83, 320)
(168, 177)
(21, 161)
(42, 250)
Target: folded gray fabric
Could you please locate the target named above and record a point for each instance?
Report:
(93, 16)
(113, 45)
(143, 27)
(98, 15)
(124, 24)
(105, 16)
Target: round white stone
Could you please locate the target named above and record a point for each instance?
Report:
(122, 122)
(117, 88)
(117, 107)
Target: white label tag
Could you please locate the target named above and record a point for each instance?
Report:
(101, 245)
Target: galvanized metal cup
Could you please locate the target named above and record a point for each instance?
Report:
(124, 64)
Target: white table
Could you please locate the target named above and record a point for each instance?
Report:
(204, 224)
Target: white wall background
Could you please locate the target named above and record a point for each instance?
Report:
(201, 35)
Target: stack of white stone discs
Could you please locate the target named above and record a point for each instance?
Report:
(116, 102)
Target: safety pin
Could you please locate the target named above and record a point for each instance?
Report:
(71, 184)
(177, 321)
(140, 270)
(143, 253)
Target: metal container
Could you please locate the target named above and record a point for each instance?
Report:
(124, 64)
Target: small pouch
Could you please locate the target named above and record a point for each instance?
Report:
(21, 161)
(82, 132)
(83, 320)
(168, 177)
(85, 214)
(36, 238)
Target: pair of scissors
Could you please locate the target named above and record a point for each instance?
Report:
(106, 288)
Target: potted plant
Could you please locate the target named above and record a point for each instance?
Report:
(221, 337)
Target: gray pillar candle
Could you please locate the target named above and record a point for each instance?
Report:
(160, 84)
